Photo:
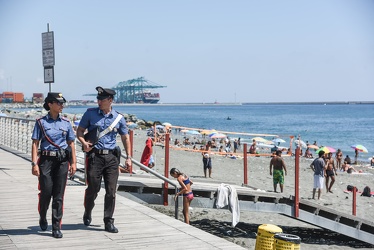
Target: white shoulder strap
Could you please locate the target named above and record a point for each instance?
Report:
(111, 127)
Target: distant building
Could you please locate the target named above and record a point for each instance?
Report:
(12, 97)
(37, 98)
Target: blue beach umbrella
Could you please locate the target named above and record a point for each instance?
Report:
(192, 132)
(132, 125)
(218, 135)
(278, 140)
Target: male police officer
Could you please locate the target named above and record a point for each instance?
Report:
(102, 161)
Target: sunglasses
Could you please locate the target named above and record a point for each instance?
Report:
(59, 103)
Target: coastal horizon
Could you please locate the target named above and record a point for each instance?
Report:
(337, 126)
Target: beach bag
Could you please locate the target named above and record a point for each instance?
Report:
(350, 188)
(366, 192)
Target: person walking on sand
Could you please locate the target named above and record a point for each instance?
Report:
(330, 172)
(252, 148)
(356, 156)
(207, 160)
(319, 168)
(186, 190)
(102, 155)
(278, 163)
(55, 136)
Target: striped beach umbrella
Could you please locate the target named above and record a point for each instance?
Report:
(360, 148)
(326, 149)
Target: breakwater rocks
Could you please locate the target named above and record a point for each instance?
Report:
(34, 111)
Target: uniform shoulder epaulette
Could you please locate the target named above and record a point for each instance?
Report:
(119, 113)
(40, 118)
(65, 118)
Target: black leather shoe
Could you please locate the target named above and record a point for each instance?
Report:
(87, 219)
(43, 223)
(56, 233)
(109, 227)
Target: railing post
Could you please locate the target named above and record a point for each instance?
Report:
(297, 168)
(245, 162)
(354, 201)
(132, 147)
(166, 173)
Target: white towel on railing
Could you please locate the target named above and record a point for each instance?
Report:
(227, 196)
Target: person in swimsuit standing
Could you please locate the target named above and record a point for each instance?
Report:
(339, 158)
(186, 190)
(330, 172)
(279, 165)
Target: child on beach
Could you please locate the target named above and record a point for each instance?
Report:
(186, 190)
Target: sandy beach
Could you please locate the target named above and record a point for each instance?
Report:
(230, 171)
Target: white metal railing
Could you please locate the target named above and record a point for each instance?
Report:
(16, 133)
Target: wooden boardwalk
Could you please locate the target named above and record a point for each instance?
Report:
(139, 226)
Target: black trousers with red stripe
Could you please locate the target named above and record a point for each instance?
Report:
(99, 167)
(52, 183)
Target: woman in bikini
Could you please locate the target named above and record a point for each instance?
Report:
(185, 190)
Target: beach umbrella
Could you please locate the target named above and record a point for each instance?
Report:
(259, 139)
(218, 135)
(300, 143)
(132, 125)
(192, 132)
(167, 124)
(360, 148)
(214, 132)
(326, 149)
(278, 140)
(207, 131)
(313, 146)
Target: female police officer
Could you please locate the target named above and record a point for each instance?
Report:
(55, 135)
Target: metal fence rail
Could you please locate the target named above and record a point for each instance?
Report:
(16, 133)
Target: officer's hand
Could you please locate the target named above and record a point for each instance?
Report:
(128, 162)
(87, 147)
(35, 170)
(72, 169)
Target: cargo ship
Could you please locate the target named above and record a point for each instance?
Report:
(146, 97)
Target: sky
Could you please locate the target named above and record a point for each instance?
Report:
(203, 51)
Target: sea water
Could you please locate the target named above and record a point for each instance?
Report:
(338, 126)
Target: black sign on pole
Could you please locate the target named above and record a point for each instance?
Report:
(48, 49)
(48, 52)
(49, 75)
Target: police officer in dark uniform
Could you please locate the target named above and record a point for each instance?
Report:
(55, 136)
(102, 153)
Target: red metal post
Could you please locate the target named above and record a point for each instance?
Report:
(354, 201)
(297, 172)
(131, 146)
(245, 162)
(166, 173)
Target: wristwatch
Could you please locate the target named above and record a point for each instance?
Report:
(33, 164)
